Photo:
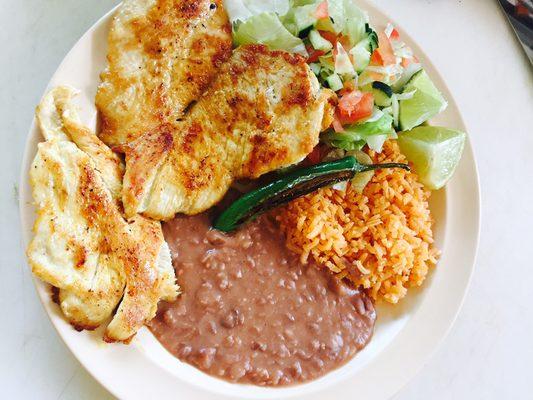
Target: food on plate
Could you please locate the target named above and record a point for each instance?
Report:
(380, 239)
(292, 186)
(251, 313)
(263, 111)
(434, 152)
(162, 55)
(318, 120)
(58, 119)
(380, 84)
(425, 103)
(82, 245)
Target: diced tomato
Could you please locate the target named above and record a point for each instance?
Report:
(355, 106)
(394, 35)
(315, 156)
(348, 101)
(313, 54)
(330, 37)
(322, 10)
(384, 54)
(375, 58)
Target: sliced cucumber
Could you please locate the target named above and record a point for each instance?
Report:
(324, 74)
(304, 16)
(334, 82)
(318, 42)
(363, 50)
(372, 36)
(315, 67)
(382, 94)
(381, 91)
(406, 76)
(361, 55)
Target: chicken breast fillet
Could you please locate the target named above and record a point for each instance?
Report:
(263, 111)
(162, 55)
(59, 120)
(82, 244)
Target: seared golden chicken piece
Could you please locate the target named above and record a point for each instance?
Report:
(82, 243)
(162, 55)
(263, 111)
(59, 120)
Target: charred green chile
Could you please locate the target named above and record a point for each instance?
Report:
(291, 186)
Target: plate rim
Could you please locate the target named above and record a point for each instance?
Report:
(26, 226)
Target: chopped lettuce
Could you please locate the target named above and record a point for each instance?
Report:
(298, 3)
(293, 25)
(337, 15)
(375, 142)
(355, 22)
(304, 16)
(327, 62)
(266, 28)
(355, 136)
(280, 7)
(241, 10)
(237, 11)
(342, 142)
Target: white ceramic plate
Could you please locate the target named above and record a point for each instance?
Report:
(405, 335)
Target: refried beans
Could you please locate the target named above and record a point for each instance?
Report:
(249, 312)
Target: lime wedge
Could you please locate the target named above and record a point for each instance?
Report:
(426, 102)
(434, 153)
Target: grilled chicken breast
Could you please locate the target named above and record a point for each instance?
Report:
(263, 111)
(162, 55)
(59, 120)
(82, 244)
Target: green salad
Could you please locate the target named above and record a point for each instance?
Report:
(383, 91)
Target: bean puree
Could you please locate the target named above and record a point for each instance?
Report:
(251, 313)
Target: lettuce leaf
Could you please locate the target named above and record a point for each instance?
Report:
(237, 11)
(337, 14)
(356, 136)
(266, 28)
(280, 7)
(241, 10)
(355, 22)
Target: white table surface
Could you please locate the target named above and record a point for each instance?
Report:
(489, 352)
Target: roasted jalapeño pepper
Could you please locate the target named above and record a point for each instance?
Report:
(291, 186)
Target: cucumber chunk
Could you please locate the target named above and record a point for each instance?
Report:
(382, 94)
(334, 82)
(318, 42)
